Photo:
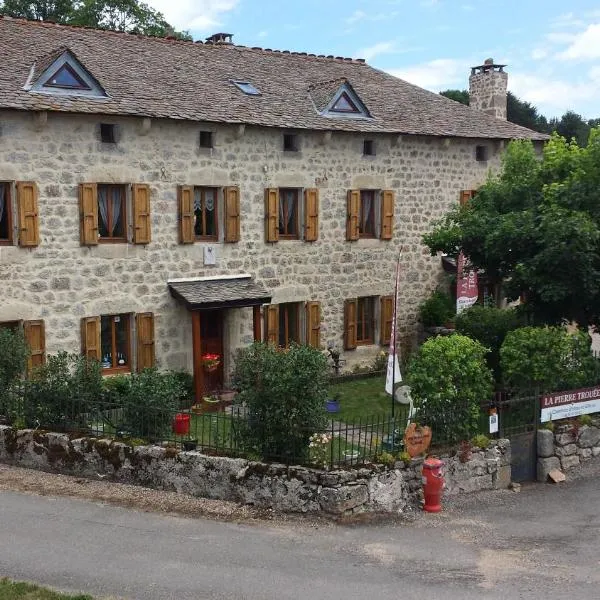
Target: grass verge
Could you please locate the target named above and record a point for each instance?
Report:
(13, 590)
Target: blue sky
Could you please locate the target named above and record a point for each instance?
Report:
(551, 47)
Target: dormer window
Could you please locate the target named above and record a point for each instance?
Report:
(67, 78)
(344, 105)
(246, 87)
(338, 99)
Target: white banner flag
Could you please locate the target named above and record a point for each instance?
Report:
(393, 375)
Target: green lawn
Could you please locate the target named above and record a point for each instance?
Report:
(10, 590)
(361, 398)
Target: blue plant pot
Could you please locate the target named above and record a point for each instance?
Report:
(332, 406)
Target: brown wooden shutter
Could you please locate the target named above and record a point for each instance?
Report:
(141, 213)
(311, 215)
(27, 200)
(313, 324)
(88, 213)
(387, 214)
(386, 314)
(465, 196)
(272, 324)
(272, 215)
(352, 225)
(35, 336)
(185, 194)
(232, 214)
(350, 310)
(144, 324)
(91, 346)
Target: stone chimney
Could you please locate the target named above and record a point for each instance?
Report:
(487, 89)
(220, 38)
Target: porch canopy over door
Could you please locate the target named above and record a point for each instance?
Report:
(205, 293)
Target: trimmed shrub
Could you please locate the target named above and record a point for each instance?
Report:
(489, 326)
(284, 391)
(13, 362)
(548, 359)
(438, 309)
(448, 379)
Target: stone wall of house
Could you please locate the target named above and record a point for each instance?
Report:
(372, 488)
(567, 447)
(60, 281)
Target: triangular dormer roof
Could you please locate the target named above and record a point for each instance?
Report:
(60, 73)
(337, 98)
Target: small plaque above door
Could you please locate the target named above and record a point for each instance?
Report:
(210, 255)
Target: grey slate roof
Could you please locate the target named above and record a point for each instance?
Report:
(171, 79)
(219, 293)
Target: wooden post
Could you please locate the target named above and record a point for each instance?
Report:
(197, 353)
(257, 324)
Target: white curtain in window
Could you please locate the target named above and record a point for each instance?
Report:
(103, 205)
(366, 201)
(197, 199)
(116, 208)
(2, 200)
(286, 203)
(209, 200)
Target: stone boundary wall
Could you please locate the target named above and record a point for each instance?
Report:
(373, 488)
(567, 447)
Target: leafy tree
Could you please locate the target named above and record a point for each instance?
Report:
(572, 126)
(536, 228)
(461, 96)
(58, 11)
(13, 361)
(448, 381)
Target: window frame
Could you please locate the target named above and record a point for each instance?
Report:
(108, 133)
(129, 367)
(353, 110)
(291, 142)
(360, 320)
(369, 148)
(288, 235)
(204, 135)
(482, 153)
(123, 187)
(8, 209)
(285, 309)
(206, 238)
(361, 222)
(83, 86)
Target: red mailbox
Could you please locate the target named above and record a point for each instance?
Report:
(433, 484)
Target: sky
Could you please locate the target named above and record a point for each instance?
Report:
(551, 47)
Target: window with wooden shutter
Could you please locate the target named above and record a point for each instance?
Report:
(272, 324)
(232, 214)
(350, 324)
(88, 213)
(387, 214)
(144, 323)
(185, 194)
(272, 215)
(35, 336)
(352, 219)
(311, 215)
(313, 324)
(386, 314)
(6, 214)
(465, 196)
(140, 194)
(27, 200)
(90, 338)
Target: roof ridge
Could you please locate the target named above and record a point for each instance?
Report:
(313, 86)
(172, 39)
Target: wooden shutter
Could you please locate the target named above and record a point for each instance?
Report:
(27, 200)
(141, 213)
(350, 310)
(272, 324)
(311, 215)
(272, 215)
(313, 324)
(386, 314)
(352, 225)
(144, 324)
(185, 195)
(88, 213)
(91, 346)
(232, 214)
(465, 196)
(387, 214)
(35, 336)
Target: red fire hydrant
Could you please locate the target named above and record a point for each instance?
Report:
(433, 484)
(181, 424)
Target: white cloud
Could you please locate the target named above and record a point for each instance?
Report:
(262, 34)
(539, 53)
(357, 15)
(193, 15)
(566, 20)
(561, 37)
(436, 74)
(371, 52)
(585, 45)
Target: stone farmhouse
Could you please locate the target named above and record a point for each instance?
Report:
(161, 201)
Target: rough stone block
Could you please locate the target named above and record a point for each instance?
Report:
(569, 462)
(545, 443)
(545, 465)
(588, 437)
(567, 450)
(596, 451)
(562, 439)
(476, 484)
(584, 453)
(502, 477)
(339, 500)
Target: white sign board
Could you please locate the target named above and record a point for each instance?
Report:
(572, 403)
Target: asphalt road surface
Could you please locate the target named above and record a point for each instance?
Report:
(542, 543)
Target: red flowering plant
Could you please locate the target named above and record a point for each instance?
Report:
(210, 361)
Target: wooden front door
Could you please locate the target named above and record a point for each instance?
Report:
(211, 335)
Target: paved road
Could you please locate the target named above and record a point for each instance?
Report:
(541, 543)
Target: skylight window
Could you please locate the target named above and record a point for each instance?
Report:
(66, 78)
(344, 105)
(246, 87)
